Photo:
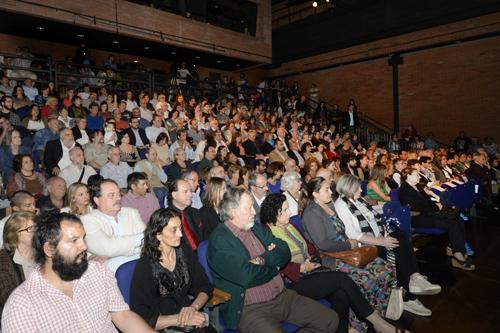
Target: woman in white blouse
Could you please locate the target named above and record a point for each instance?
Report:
(291, 185)
(364, 224)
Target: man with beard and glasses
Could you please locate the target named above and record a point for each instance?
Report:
(66, 292)
(245, 259)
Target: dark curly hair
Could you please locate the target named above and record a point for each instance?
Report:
(271, 208)
(49, 230)
(159, 220)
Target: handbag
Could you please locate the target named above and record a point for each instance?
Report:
(358, 257)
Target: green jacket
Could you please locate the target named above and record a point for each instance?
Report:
(233, 273)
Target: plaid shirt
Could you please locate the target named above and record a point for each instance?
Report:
(267, 291)
(37, 306)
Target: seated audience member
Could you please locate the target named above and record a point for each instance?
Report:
(165, 277)
(20, 201)
(274, 173)
(67, 293)
(116, 169)
(252, 151)
(96, 152)
(155, 129)
(180, 164)
(56, 156)
(260, 166)
(291, 185)
(480, 171)
(216, 187)
(258, 192)
(399, 164)
(26, 178)
(161, 147)
(365, 225)
(77, 200)
(179, 199)
(137, 135)
(112, 231)
(311, 167)
(279, 153)
(336, 287)
(65, 120)
(326, 232)
(9, 151)
(16, 256)
(377, 188)
(94, 121)
(157, 177)
(291, 165)
(428, 214)
(54, 200)
(8, 111)
(295, 153)
(233, 172)
(80, 131)
(208, 157)
(128, 152)
(138, 196)
(191, 177)
(245, 259)
(77, 171)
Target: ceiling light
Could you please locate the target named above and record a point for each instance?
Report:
(219, 61)
(80, 35)
(197, 57)
(327, 1)
(116, 42)
(146, 47)
(40, 28)
(136, 61)
(173, 52)
(315, 4)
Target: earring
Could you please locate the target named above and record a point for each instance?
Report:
(160, 248)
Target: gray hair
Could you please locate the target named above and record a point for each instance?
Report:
(74, 150)
(347, 185)
(111, 148)
(287, 180)
(231, 200)
(252, 179)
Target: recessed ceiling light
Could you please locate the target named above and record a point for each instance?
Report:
(197, 57)
(116, 42)
(146, 47)
(173, 52)
(219, 61)
(136, 61)
(238, 65)
(40, 28)
(80, 35)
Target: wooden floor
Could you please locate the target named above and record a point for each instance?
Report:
(470, 301)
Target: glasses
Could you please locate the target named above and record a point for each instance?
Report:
(29, 229)
(261, 187)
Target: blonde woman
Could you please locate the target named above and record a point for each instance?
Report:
(77, 200)
(216, 187)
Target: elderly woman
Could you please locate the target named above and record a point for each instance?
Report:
(364, 224)
(77, 200)
(180, 164)
(16, 257)
(152, 168)
(324, 229)
(336, 287)
(26, 178)
(216, 187)
(428, 214)
(166, 275)
(291, 185)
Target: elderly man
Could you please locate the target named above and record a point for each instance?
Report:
(67, 293)
(77, 171)
(258, 191)
(279, 153)
(113, 231)
(179, 199)
(54, 201)
(138, 196)
(56, 155)
(194, 182)
(116, 169)
(96, 152)
(291, 165)
(245, 260)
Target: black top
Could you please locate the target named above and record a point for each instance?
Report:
(145, 298)
(418, 201)
(45, 205)
(53, 153)
(210, 219)
(174, 170)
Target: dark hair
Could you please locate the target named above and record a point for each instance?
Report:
(134, 177)
(172, 186)
(161, 136)
(96, 189)
(424, 159)
(49, 230)
(271, 208)
(406, 172)
(158, 221)
(93, 104)
(17, 163)
(273, 168)
(314, 185)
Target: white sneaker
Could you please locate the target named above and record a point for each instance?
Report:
(417, 308)
(420, 286)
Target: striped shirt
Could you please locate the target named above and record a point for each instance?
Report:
(269, 290)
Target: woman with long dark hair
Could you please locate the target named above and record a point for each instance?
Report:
(164, 277)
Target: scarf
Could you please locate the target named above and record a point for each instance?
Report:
(295, 241)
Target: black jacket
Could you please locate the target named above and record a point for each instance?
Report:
(133, 140)
(347, 119)
(53, 153)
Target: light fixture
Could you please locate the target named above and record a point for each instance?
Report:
(80, 35)
(315, 4)
(136, 61)
(173, 53)
(116, 42)
(146, 47)
(40, 28)
(197, 57)
(219, 61)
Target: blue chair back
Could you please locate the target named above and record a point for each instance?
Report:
(395, 195)
(296, 220)
(124, 275)
(202, 258)
(364, 187)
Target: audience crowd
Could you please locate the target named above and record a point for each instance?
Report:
(96, 180)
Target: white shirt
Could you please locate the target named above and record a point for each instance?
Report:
(131, 105)
(65, 161)
(84, 139)
(36, 125)
(146, 114)
(72, 173)
(351, 223)
(351, 118)
(152, 132)
(293, 205)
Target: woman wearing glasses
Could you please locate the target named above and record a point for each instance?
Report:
(16, 256)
